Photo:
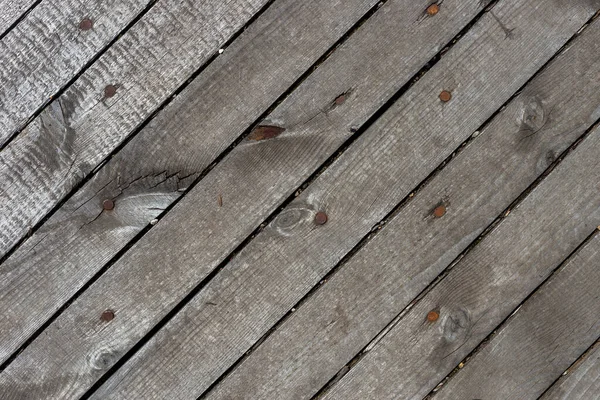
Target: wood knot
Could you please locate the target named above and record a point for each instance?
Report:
(102, 359)
(263, 132)
(533, 117)
(289, 219)
(456, 324)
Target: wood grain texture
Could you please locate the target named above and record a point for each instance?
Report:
(47, 49)
(150, 172)
(253, 180)
(485, 286)
(12, 10)
(82, 127)
(287, 258)
(356, 303)
(396, 265)
(582, 381)
(546, 335)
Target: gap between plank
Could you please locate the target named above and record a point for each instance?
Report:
(506, 320)
(579, 359)
(271, 216)
(485, 232)
(403, 202)
(139, 128)
(446, 271)
(83, 69)
(203, 174)
(18, 20)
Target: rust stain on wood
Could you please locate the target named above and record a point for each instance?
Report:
(263, 132)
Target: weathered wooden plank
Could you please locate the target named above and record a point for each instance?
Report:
(485, 286)
(282, 263)
(546, 335)
(582, 381)
(147, 175)
(12, 10)
(85, 124)
(413, 248)
(49, 47)
(253, 180)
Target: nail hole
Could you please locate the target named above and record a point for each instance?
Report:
(445, 96)
(110, 91)
(108, 315)
(433, 9)
(108, 204)
(439, 211)
(320, 218)
(86, 24)
(432, 316)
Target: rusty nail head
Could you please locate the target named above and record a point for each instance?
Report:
(340, 100)
(439, 211)
(320, 218)
(432, 316)
(110, 91)
(108, 204)
(86, 24)
(433, 9)
(445, 96)
(108, 315)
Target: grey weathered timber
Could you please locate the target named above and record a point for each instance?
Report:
(485, 286)
(47, 49)
(369, 290)
(581, 382)
(252, 182)
(251, 293)
(11, 11)
(79, 129)
(149, 173)
(546, 335)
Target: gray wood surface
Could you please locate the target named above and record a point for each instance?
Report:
(581, 382)
(485, 286)
(12, 10)
(252, 181)
(48, 48)
(413, 248)
(82, 127)
(149, 173)
(544, 337)
(263, 280)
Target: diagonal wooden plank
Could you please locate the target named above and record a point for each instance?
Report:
(107, 103)
(485, 286)
(264, 182)
(268, 277)
(552, 328)
(151, 172)
(368, 291)
(49, 47)
(12, 10)
(580, 382)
